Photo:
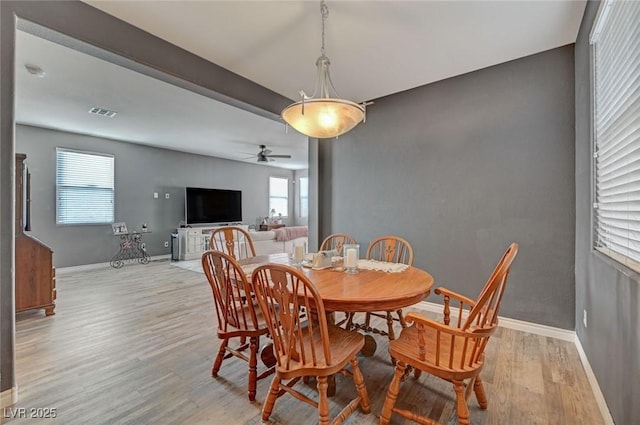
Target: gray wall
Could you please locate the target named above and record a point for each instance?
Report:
(139, 172)
(463, 167)
(608, 291)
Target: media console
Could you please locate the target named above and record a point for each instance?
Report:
(193, 241)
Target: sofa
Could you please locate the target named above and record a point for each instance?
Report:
(278, 240)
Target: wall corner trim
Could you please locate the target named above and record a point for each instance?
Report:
(597, 393)
(8, 397)
(97, 266)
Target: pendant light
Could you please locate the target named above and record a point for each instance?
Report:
(323, 116)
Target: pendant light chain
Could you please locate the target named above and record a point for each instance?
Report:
(324, 11)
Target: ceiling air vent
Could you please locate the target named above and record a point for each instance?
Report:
(103, 112)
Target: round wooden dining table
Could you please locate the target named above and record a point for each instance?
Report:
(366, 291)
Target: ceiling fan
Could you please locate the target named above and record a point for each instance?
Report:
(265, 155)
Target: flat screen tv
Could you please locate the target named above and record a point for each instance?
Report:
(208, 206)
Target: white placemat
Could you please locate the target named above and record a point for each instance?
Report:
(249, 268)
(382, 266)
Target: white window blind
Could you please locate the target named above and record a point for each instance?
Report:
(616, 58)
(279, 195)
(84, 187)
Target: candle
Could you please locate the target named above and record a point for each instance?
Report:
(298, 252)
(351, 258)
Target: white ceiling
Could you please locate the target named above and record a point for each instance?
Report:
(149, 111)
(376, 48)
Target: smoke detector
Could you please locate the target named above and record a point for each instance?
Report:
(35, 70)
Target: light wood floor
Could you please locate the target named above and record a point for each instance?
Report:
(135, 346)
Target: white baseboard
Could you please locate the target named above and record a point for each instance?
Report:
(88, 267)
(518, 325)
(8, 397)
(548, 331)
(597, 393)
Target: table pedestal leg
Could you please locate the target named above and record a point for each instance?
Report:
(267, 355)
(370, 346)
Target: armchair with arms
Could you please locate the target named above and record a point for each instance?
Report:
(453, 352)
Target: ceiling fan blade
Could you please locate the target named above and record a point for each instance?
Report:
(265, 152)
(279, 156)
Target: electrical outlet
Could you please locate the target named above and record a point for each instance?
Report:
(166, 244)
(155, 195)
(584, 317)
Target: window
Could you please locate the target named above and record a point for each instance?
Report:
(279, 195)
(616, 65)
(304, 196)
(84, 187)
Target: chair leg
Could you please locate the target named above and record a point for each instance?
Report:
(461, 403)
(349, 324)
(392, 394)
(358, 379)
(481, 396)
(267, 408)
(392, 335)
(323, 401)
(218, 361)
(403, 323)
(253, 367)
(367, 322)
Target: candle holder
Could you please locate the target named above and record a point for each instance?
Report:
(299, 250)
(351, 253)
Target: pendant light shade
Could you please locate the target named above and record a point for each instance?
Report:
(326, 115)
(323, 118)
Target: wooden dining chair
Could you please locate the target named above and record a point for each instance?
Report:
(454, 352)
(234, 241)
(305, 345)
(392, 249)
(336, 241)
(238, 315)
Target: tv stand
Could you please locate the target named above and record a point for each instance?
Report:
(193, 241)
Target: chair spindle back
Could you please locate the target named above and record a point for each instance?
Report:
(392, 249)
(234, 241)
(231, 292)
(336, 241)
(485, 312)
(287, 298)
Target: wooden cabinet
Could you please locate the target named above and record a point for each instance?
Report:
(35, 275)
(193, 246)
